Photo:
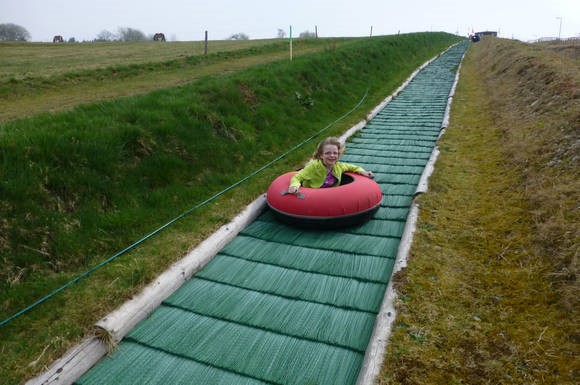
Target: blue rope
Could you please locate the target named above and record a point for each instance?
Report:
(158, 230)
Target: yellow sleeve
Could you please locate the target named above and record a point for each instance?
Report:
(296, 180)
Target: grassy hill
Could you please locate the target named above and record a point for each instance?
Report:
(490, 295)
(83, 180)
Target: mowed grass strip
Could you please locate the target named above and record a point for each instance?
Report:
(43, 60)
(81, 185)
(36, 78)
(490, 293)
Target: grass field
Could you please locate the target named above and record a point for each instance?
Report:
(21, 61)
(36, 78)
(88, 179)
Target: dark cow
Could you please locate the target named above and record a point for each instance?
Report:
(159, 37)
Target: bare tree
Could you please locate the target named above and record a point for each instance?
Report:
(281, 33)
(239, 36)
(130, 34)
(307, 34)
(13, 32)
(106, 36)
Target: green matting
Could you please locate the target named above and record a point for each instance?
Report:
(281, 305)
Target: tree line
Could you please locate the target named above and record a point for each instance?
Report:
(14, 32)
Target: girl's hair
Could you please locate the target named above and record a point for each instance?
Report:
(330, 140)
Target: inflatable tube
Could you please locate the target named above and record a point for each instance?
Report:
(353, 202)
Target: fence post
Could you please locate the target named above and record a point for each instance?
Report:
(290, 43)
(205, 46)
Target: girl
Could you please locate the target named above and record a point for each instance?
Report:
(325, 170)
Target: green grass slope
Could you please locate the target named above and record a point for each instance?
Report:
(81, 185)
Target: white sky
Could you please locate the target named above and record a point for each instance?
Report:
(186, 20)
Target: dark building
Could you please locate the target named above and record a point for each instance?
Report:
(486, 33)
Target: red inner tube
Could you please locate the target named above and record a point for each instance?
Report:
(357, 195)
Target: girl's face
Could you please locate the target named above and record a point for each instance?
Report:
(330, 154)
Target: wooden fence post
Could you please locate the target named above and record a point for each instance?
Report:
(205, 46)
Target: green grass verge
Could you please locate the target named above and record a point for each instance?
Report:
(82, 185)
(490, 293)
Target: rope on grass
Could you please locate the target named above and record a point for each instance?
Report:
(183, 214)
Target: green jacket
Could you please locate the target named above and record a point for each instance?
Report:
(314, 173)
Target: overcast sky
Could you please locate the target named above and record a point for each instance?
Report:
(186, 20)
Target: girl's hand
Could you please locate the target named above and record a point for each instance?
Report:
(368, 174)
(292, 190)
